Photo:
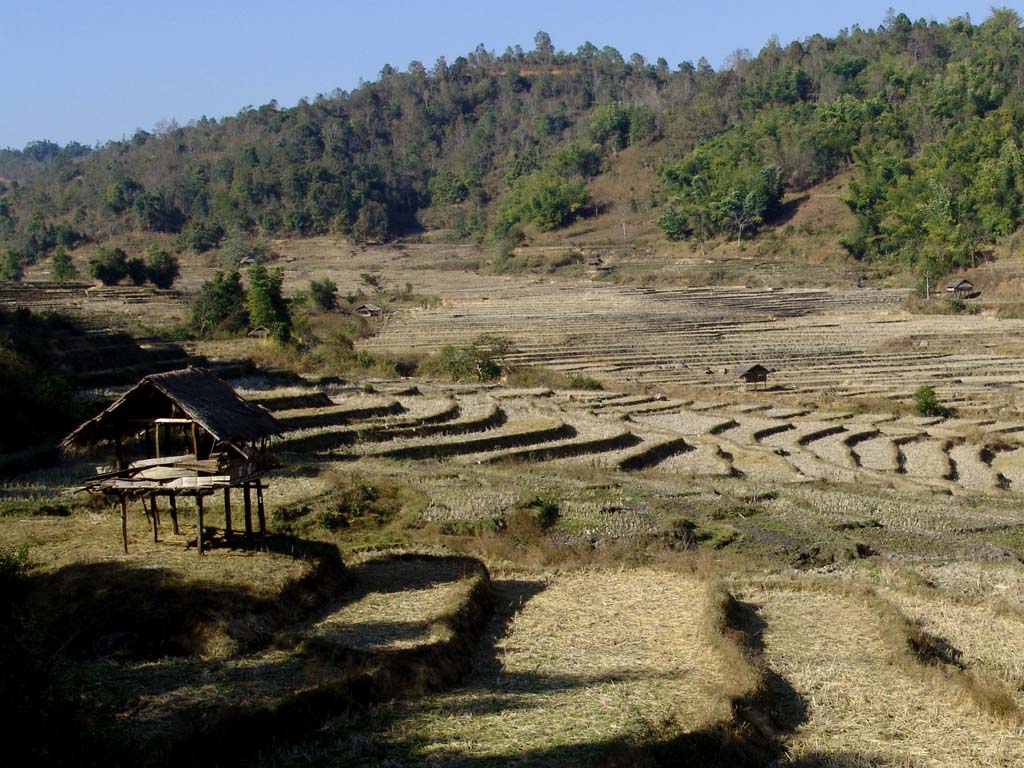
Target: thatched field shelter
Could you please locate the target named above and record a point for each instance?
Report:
(960, 287)
(193, 435)
(369, 310)
(751, 373)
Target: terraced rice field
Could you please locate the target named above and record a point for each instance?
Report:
(563, 680)
(757, 442)
(852, 702)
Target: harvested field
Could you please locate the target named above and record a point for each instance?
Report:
(856, 703)
(396, 604)
(802, 497)
(565, 681)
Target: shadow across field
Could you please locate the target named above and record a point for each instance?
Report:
(120, 639)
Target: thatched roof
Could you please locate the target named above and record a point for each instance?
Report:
(746, 369)
(960, 284)
(194, 393)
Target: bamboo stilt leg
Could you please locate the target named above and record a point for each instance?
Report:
(260, 512)
(199, 524)
(173, 501)
(247, 498)
(124, 523)
(227, 515)
(154, 515)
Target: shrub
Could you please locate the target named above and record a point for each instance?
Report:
(927, 403)
(579, 381)
(531, 520)
(61, 267)
(162, 268)
(11, 268)
(109, 265)
(136, 269)
(220, 306)
(480, 361)
(324, 294)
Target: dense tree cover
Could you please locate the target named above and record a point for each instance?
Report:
(224, 307)
(42, 403)
(927, 115)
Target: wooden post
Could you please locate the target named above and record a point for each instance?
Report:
(156, 441)
(124, 523)
(195, 441)
(227, 514)
(260, 512)
(118, 454)
(199, 523)
(156, 517)
(248, 511)
(173, 501)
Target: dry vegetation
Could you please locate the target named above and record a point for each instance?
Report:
(675, 570)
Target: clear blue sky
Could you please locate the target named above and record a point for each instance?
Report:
(94, 70)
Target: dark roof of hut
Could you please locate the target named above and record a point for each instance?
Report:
(204, 398)
(960, 282)
(744, 368)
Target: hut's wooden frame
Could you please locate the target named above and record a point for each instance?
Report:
(230, 442)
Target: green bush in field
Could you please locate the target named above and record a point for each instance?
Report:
(926, 402)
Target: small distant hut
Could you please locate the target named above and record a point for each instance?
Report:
(751, 373)
(246, 261)
(196, 437)
(369, 310)
(259, 332)
(960, 288)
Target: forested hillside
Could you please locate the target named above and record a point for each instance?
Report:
(928, 116)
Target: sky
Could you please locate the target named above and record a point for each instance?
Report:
(93, 71)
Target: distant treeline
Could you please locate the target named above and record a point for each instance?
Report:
(928, 116)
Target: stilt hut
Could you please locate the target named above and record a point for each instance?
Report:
(751, 373)
(181, 433)
(960, 288)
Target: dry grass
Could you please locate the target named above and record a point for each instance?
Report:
(398, 605)
(95, 537)
(595, 656)
(849, 671)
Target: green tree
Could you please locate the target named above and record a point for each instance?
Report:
(11, 267)
(371, 223)
(220, 306)
(544, 199)
(162, 268)
(61, 266)
(265, 301)
(136, 269)
(324, 294)
(926, 402)
(482, 360)
(109, 265)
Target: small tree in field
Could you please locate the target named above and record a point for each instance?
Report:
(136, 270)
(61, 267)
(161, 267)
(266, 303)
(926, 402)
(109, 265)
(10, 267)
(324, 294)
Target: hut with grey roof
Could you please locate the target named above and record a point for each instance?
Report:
(181, 433)
(369, 310)
(960, 287)
(751, 373)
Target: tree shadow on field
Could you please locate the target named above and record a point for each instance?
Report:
(786, 707)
